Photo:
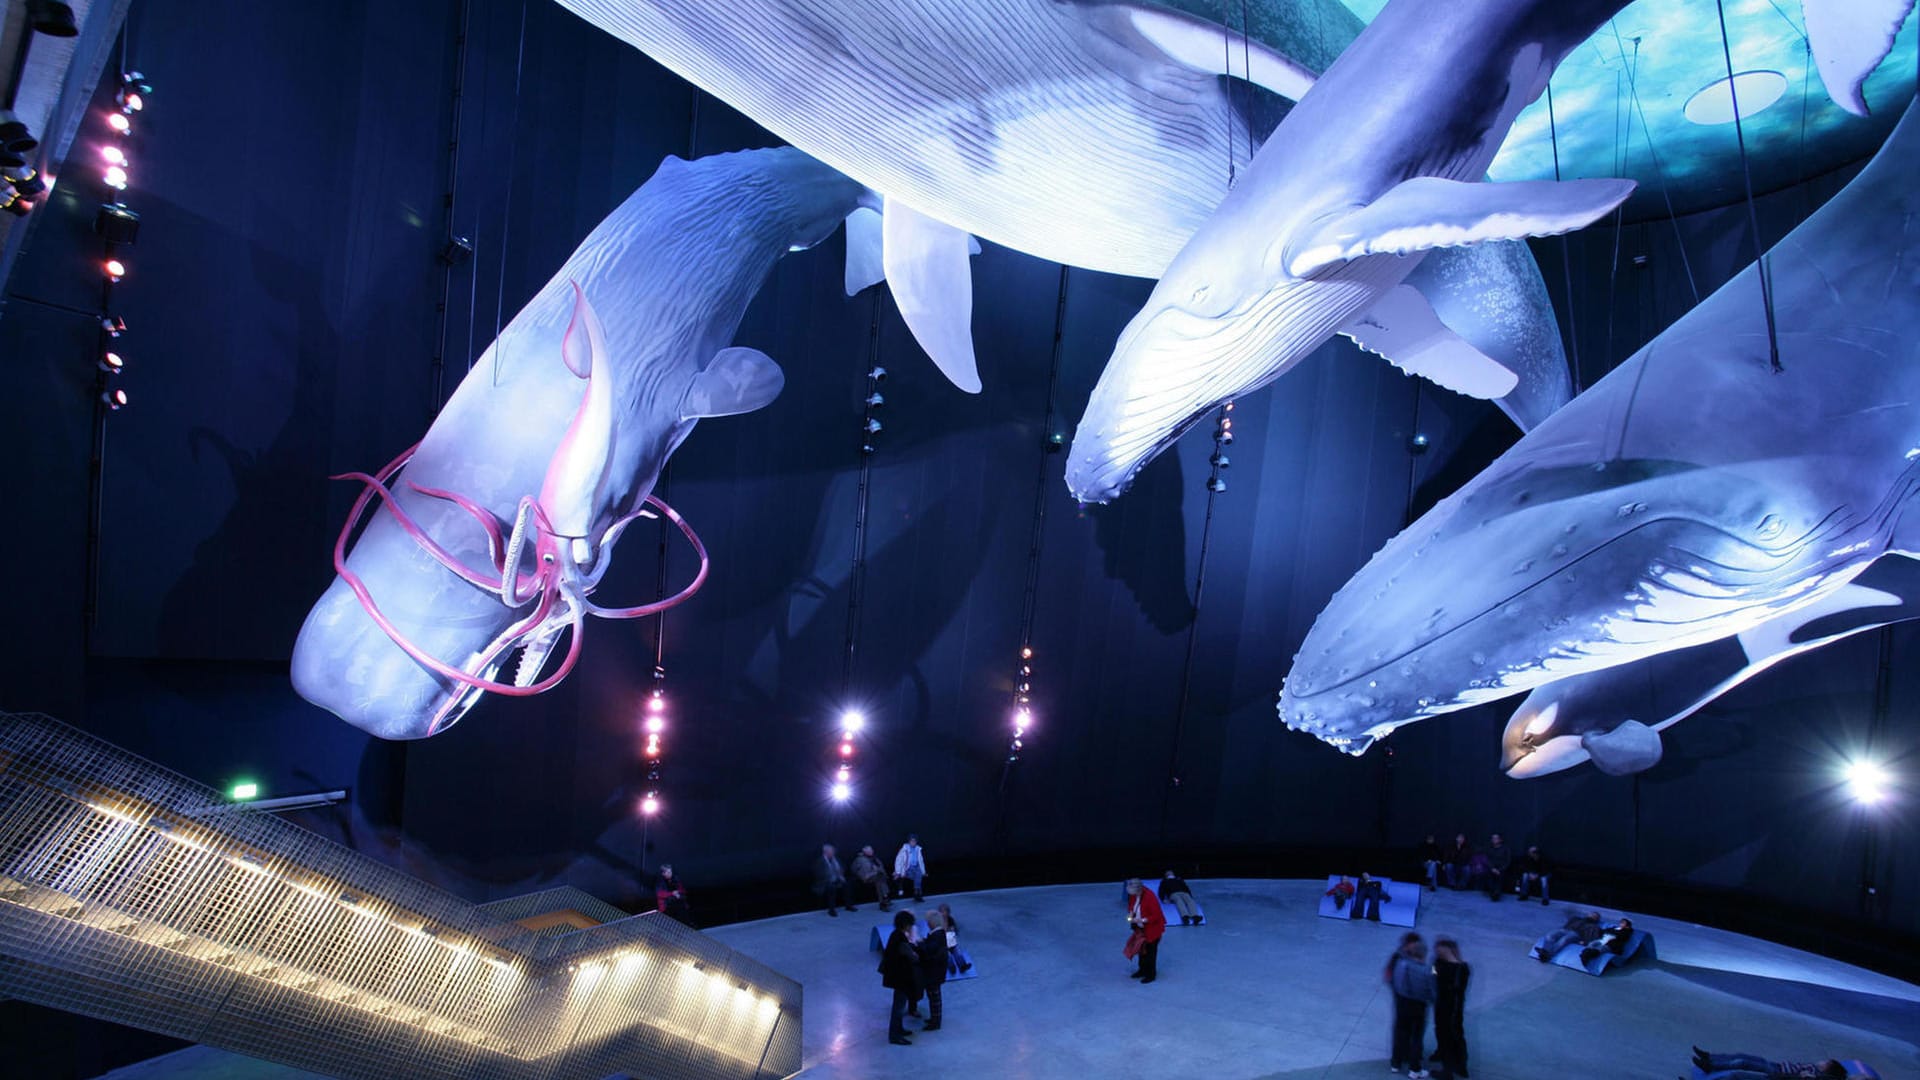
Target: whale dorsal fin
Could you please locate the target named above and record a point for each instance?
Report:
(1218, 50)
(1402, 328)
(1849, 38)
(926, 266)
(738, 380)
(1428, 212)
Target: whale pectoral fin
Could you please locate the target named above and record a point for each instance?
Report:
(739, 380)
(864, 264)
(926, 266)
(1427, 212)
(1630, 748)
(1204, 45)
(1402, 329)
(1849, 38)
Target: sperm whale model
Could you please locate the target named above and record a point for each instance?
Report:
(1692, 495)
(1091, 133)
(484, 552)
(1374, 167)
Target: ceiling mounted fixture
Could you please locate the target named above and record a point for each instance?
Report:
(1713, 103)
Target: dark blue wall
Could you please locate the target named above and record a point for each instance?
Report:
(291, 171)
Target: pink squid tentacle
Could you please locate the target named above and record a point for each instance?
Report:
(699, 579)
(480, 514)
(441, 555)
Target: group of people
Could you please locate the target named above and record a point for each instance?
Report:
(1594, 934)
(832, 884)
(1418, 982)
(915, 966)
(1493, 869)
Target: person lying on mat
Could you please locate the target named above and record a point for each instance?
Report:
(1368, 895)
(1755, 1067)
(1174, 890)
(1341, 892)
(1612, 939)
(1581, 927)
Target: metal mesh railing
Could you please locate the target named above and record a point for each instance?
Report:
(132, 894)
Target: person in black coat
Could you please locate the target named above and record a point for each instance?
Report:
(1450, 975)
(830, 880)
(933, 967)
(900, 973)
(1430, 858)
(1458, 860)
(1534, 872)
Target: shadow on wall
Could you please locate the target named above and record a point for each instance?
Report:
(1151, 562)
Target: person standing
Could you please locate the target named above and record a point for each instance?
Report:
(933, 967)
(1450, 975)
(830, 880)
(871, 875)
(1412, 982)
(900, 973)
(911, 865)
(1150, 922)
(1174, 890)
(670, 895)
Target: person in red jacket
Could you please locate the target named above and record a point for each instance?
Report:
(670, 896)
(1144, 915)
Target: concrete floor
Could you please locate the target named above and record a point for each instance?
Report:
(1269, 989)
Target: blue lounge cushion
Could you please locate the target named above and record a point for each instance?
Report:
(1639, 943)
(1856, 1070)
(1401, 907)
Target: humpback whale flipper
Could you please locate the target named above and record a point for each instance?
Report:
(1849, 39)
(1427, 212)
(926, 265)
(1403, 329)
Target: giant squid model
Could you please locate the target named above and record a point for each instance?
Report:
(490, 537)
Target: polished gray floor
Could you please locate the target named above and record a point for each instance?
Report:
(1271, 990)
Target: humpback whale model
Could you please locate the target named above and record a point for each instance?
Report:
(502, 523)
(1092, 133)
(1692, 496)
(1376, 166)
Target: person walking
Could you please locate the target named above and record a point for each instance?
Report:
(830, 881)
(1412, 982)
(900, 973)
(910, 865)
(1450, 975)
(871, 875)
(1149, 922)
(933, 967)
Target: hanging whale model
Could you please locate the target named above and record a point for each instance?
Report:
(1091, 133)
(483, 552)
(1693, 496)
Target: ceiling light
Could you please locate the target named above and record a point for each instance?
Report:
(1713, 103)
(119, 123)
(113, 399)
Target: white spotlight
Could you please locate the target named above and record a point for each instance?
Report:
(842, 792)
(852, 721)
(1866, 781)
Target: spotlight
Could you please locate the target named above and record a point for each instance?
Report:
(111, 363)
(852, 721)
(656, 724)
(130, 100)
(1022, 718)
(1867, 781)
(119, 123)
(1219, 460)
(656, 703)
(874, 400)
(873, 427)
(1228, 406)
(1226, 438)
(116, 223)
(457, 252)
(113, 155)
(1026, 652)
(866, 448)
(842, 791)
(115, 177)
(52, 18)
(878, 374)
(113, 399)
(1216, 485)
(1226, 424)
(114, 325)
(136, 82)
(845, 774)
(846, 749)
(115, 269)
(1056, 442)
(1418, 444)
(26, 181)
(650, 804)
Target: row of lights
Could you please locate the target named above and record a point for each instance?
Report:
(1222, 438)
(118, 227)
(654, 727)
(852, 722)
(1022, 704)
(869, 423)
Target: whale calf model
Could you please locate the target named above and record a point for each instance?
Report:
(1692, 495)
(486, 548)
(1090, 133)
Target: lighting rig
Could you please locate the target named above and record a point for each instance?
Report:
(118, 228)
(654, 727)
